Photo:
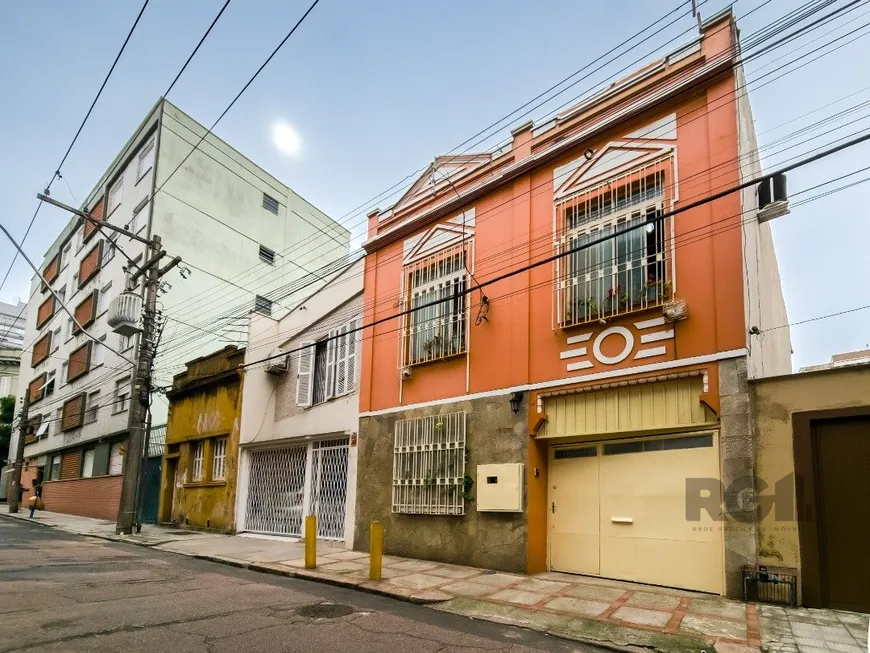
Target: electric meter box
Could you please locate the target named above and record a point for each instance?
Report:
(500, 488)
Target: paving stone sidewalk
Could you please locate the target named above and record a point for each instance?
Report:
(578, 607)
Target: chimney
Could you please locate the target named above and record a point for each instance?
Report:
(522, 144)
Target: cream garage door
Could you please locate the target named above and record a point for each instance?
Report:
(618, 510)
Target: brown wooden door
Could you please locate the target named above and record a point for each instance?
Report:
(843, 455)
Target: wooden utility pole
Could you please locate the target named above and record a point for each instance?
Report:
(140, 400)
(15, 485)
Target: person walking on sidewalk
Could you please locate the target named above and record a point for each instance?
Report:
(37, 495)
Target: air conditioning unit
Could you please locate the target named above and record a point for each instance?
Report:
(772, 198)
(279, 362)
(125, 312)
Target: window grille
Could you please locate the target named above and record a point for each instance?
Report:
(262, 305)
(196, 461)
(429, 465)
(218, 469)
(267, 255)
(328, 499)
(270, 204)
(439, 330)
(622, 274)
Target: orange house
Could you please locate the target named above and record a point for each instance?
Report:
(566, 386)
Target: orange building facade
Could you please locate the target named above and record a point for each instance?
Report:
(565, 416)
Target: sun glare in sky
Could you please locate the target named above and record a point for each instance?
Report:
(286, 139)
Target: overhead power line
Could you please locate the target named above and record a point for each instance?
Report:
(57, 170)
(586, 245)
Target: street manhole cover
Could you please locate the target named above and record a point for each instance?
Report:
(324, 610)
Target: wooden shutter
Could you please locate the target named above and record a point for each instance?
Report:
(90, 264)
(36, 388)
(305, 376)
(45, 311)
(86, 311)
(41, 350)
(73, 413)
(79, 362)
(70, 465)
(89, 227)
(52, 270)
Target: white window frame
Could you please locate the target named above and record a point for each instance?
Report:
(116, 459)
(341, 355)
(116, 195)
(92, 407)
(219, 459)
(305, 374)
(146, 159)
(64, 372)
(5, 386)
(121, 397)
(54, 467)
(126, 342)
(98, 352)
(587, 292)
(429, 465)
(433, 333)
(88, 463)
(197, 457)
(103, 299)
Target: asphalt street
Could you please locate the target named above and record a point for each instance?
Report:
(64, 593)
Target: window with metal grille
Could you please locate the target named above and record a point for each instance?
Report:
(327, 369)
(621, 274)
(434, 292)
(262, 305)
(219, 459)
(429, 465)
(270, 204)
(267, 255)
(196, 458)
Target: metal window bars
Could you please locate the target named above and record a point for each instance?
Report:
(429, 465)
(436, 331)
(219, 459)
(628, 273)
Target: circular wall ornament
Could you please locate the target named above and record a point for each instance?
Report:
(621, 356)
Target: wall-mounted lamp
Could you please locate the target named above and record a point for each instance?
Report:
(516, 400)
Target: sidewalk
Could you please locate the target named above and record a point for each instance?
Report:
(582, 608)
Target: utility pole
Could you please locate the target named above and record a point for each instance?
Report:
(141, 385)
(140, 396)
(15, 486)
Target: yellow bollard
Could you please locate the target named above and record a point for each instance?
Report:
(376, 550)
(311, 542)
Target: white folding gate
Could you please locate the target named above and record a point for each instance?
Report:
(282, 482)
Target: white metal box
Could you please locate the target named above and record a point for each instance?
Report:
(500, 487)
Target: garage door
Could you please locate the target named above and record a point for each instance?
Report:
(618, 510)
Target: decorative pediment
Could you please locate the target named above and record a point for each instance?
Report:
(444, 171)
(440, 236)
(636, 148)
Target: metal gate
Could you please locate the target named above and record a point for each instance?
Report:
(282, 482)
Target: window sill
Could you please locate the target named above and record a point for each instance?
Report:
(417, 364)
(204, 484)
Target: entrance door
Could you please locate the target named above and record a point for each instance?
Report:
(574, 536)
(843, 453)
(618, 510)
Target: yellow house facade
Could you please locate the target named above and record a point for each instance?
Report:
(198, 485)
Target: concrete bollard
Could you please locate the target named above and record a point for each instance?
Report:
(376, 550)
(311, 542)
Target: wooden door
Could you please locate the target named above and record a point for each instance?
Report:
(843, 462)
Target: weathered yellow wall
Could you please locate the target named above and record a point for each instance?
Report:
(212, 411)
(776, 399)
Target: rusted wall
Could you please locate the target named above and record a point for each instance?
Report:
(205, 404)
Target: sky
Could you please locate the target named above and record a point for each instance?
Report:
(376, 89)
